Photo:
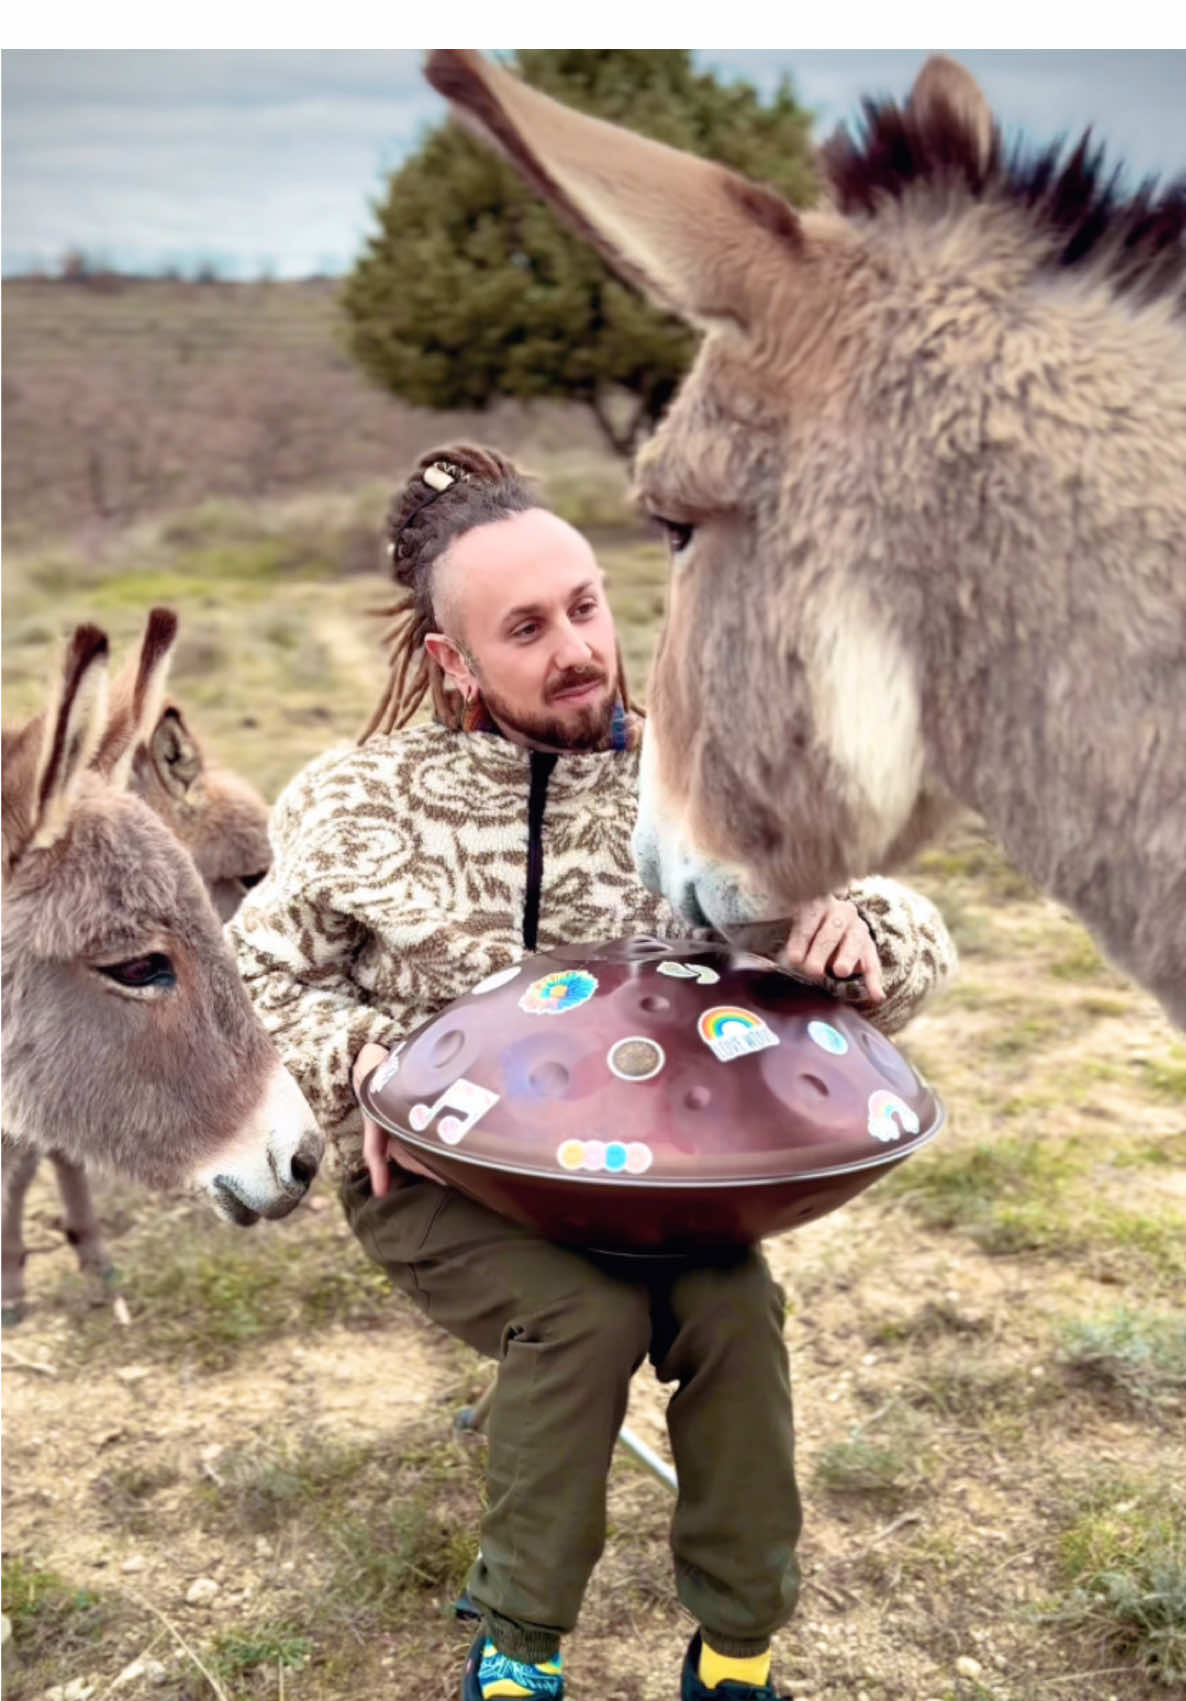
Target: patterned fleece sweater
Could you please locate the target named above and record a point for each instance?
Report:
(400, 879)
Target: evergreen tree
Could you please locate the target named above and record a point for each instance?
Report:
(471, 290)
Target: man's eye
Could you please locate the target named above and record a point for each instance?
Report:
(584, 609)
(154, 969)
(525, 632)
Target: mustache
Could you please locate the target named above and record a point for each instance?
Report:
(577, 677)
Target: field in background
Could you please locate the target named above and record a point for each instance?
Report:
(253, 1491)
(142, 397)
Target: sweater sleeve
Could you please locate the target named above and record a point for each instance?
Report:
(296, 941)
(916, 951)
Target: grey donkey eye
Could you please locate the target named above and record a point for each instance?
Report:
(677, 532)
(154, 971)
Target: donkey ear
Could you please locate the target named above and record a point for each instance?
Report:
(943, 89)
(175, 753)
(694, 236)
(75, 721)
(137, 698)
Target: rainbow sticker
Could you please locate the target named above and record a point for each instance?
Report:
(618, 1157)
(499, 978)
(730, 1032)
(567, 989)
(635, 1058)
(828, 1038)
(890, 1117)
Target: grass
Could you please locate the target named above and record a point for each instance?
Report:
(235, 1653)
(55, 1624)
(126, 1493)
(378, 1525)
(882, 1468)
(202, 1294)
(1138, 1355)
(1123, 1565)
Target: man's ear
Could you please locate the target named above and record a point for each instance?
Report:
(452, 662)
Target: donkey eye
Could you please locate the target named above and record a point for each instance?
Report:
(678, 532)
(153, 971)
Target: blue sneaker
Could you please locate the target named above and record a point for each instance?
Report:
(491, 1676)
(692, 1689)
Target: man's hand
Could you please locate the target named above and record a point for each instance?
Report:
(377, 1145)
(829, 937)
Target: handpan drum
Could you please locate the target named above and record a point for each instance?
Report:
(650, 1096)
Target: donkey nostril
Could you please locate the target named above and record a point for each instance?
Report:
(303, 1171)
(302, 1167)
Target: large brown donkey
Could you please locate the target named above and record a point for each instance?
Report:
(223, 824)
(129, 1040)
(925, 489)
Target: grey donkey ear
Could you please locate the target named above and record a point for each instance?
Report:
(175, 754)
(75, 721)
(944, 84)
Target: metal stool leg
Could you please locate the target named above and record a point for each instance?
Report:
(472, 1419)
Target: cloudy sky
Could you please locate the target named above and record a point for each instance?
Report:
(254, 160)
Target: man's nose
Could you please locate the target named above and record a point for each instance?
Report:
(572, 649)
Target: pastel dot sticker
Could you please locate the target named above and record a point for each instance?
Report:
(617, 1157)
(499, 978)
(730, 1032)
(565, 990)
(890, 1117)
(828, 1038)
(636, 1058)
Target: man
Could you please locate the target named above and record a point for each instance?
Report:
(415, 865)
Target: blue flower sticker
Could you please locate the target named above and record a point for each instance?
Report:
(556, 993)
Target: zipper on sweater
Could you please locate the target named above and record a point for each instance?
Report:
(542, 763)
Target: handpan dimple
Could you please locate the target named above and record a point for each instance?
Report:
(605, 1097)
(447, 1048)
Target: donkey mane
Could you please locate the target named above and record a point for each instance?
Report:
(1137, 242)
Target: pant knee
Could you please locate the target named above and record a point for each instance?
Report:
(605, 1321)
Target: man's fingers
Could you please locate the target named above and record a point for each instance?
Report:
(374, 1150)
(830, 930)
(871, 969)
(807, 919)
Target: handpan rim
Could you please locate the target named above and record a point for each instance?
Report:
(883, 1158)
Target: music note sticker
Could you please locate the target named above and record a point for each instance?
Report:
(465, 1096)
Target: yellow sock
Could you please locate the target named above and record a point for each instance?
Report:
(723, 1668)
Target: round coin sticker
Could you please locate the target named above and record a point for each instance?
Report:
(636, 1058)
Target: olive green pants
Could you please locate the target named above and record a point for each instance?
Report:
(568, 1332)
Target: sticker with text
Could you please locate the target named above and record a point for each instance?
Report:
(730, 1032)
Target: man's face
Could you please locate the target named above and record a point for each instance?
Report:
(528, 625)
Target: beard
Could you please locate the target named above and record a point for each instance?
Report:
(588, 728)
